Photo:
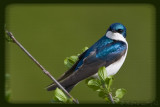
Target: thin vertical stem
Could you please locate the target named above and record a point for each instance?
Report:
(111, 98)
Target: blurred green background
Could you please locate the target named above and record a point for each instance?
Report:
(52, 32)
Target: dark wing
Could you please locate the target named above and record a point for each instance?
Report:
(112, 52)
(96, 59)
(70, 71)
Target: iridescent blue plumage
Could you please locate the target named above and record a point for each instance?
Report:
(110, 51)
(106, 49)
(117, 27)
(99, 44)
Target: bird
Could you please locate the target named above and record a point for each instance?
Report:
(109, 51)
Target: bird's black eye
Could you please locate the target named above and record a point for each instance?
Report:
(119, 30)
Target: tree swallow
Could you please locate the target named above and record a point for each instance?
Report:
(110, 51)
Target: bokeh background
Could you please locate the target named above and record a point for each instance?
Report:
(52, 32)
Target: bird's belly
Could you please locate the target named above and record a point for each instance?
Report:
(114, 67)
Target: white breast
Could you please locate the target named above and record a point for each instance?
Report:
(114, 68)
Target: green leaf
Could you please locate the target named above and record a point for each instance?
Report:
(120, 93)
(88, 79)
(102, 73)
(70, 101)
(84, 49)
(55, 100)
(73, 58)
(107, 100)
(116, 100)
(95, 88)
(94, 82)
(8, 38)
(60, 96)
(8, 95)
(102, 94)
(70, 61)
(67, 63)
(109, 82)
(78, 54)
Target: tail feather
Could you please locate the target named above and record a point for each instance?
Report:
(69, 88)
(51, 87)
(54, 86)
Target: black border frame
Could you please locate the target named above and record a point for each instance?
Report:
(4, 3)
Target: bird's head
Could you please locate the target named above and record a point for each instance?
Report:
(116, 31)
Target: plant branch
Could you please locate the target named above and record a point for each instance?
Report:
(41, 67)
(110, 97)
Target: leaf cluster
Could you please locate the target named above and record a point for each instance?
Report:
(103, 86)
(70, 61)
